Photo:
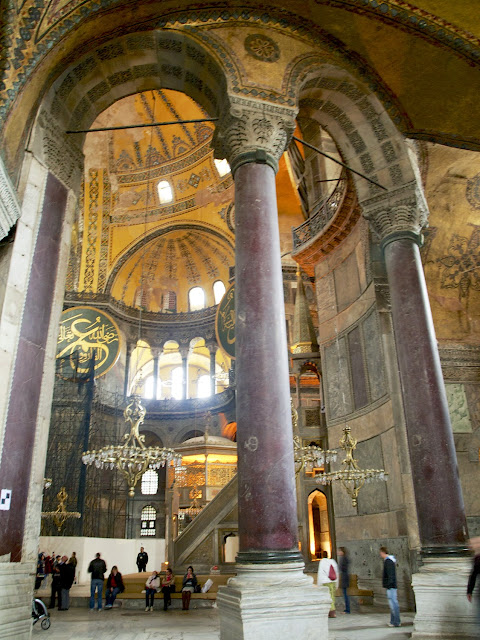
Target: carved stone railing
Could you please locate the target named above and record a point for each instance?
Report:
(206, 521)
(189, 406)
(105, 300)
(322, 215)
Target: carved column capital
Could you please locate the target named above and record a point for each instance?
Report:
(253, 131)
(402, 213)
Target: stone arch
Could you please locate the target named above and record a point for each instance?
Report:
(118, 68)
(156, 233)
(329, 94)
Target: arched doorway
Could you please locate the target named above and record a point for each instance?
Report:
(319, 534)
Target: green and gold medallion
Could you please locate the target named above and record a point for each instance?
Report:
(84, 333)
(225, 322)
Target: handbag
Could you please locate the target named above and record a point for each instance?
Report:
(332, 574)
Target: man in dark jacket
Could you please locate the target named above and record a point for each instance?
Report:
(67, 576)
(142, 560)
(97, 568)
(390, 584)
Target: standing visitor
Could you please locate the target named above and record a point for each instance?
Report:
(97, 568)
(344, 566)
(328, 576)
(40, 571)
(67, 575)
(56, 592)
(475, 546)
(142, 560)
(152, 585)
(114, 587)
(168, 587)
(390, 584)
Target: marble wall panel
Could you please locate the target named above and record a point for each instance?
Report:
(374, 357)
(347, 282)
(359, 379)
(339, 401)
(458, 408)
(373, 496)
(325, 294)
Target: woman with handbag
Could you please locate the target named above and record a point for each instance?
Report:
(328, 576)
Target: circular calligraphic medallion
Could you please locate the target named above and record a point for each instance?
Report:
(225, 322)
(84, 333)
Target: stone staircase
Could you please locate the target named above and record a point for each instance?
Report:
(197, 544)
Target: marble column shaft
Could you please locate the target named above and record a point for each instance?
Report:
(268, 527)
(155, 376)
(438, 495)
(213, 352)
(22, 412)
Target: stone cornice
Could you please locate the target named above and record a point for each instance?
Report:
(253, 131)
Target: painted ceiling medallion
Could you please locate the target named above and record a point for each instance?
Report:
(262, 47)
(473, 191)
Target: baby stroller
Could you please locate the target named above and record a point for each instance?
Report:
(39, 612)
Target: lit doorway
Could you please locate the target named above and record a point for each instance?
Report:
(318, 525)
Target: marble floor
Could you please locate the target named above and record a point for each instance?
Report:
(200, 624)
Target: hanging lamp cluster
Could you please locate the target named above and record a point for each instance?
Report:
(351, 475)
(132, 458)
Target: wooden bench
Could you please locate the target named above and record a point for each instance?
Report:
(135, 588)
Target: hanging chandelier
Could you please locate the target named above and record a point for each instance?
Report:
(132, 458)
(351, 476)
(310, 456)
(60, 515)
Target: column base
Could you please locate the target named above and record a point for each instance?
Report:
(272, 601)
(443, 611)
(16, 592)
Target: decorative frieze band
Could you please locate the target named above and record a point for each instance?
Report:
(9, 207)
(253, 131)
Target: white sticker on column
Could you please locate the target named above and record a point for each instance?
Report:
(5, 499)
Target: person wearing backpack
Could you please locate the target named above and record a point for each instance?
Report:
(328, 576)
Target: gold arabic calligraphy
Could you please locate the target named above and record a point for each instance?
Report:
(87, 337)
(227, 314)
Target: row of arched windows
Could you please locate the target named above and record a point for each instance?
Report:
(197, 298)
(165, 190)
(176, 384)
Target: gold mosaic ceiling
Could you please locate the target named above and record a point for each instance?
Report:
(176, 261)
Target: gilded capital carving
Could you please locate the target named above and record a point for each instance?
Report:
(397, 214)
(253, 131)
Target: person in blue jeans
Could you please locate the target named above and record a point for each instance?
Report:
(114, 587)
(97, 568)
(390, 584)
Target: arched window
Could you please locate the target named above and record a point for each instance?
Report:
(148, 388)
(203, 387)
(148, 519)
(165, 193)
(222, 167)
(149, 483)
(218, 290)
(196, 299)
(177, 383)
